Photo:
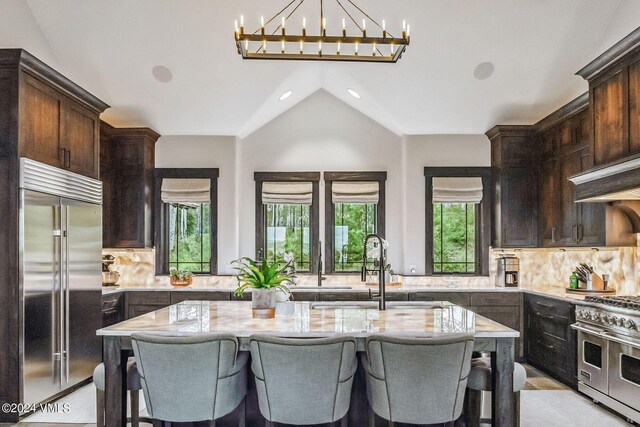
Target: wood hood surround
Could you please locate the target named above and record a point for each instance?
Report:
(614, 109)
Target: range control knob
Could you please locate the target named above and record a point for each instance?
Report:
(595, 316)
(606, 319)
(618, 321)
(613, 320)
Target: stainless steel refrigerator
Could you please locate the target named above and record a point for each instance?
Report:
(61, 282)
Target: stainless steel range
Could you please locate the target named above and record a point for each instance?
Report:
(609, 352)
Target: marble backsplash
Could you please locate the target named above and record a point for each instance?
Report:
(553, 267)
(137, 269)
(537, 268)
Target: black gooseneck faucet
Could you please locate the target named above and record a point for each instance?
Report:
(379, 264)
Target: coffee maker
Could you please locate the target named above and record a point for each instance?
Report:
(508, 271)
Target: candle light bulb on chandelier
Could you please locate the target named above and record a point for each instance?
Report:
(338, 48)
(262, 21)
(242, 20)
(283, 22)
(301, 48)
(373, 48)
(282, 46)
(408, 30)
(344, 24)
(356, 48)
(235, 23)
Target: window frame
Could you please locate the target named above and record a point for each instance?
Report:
(314, 214)
(161, 213)
(483, 217)
(329, 211)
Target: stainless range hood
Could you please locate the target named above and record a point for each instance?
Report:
(618, 185)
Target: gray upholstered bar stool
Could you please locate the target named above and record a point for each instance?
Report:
(417, 380)
(479, 381)
(191, 378)
(133, 385)
(303, 381)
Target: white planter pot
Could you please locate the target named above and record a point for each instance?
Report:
(263, 303)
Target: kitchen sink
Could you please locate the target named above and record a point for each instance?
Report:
(391, 305)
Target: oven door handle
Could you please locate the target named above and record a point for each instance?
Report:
(587, 330)
(619, 340)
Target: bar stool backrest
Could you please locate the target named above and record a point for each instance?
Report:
(417, 380)
(303, 381)
(190, 378)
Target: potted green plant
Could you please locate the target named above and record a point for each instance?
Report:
(264, 279)
(180, 277)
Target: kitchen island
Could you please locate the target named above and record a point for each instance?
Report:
(314, 319)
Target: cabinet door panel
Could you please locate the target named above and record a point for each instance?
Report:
(519, 208)
(569, 165)
(550, 199)
(634, 107)
(40, 122)
(592, 224)
(79, 133)
(609, 102)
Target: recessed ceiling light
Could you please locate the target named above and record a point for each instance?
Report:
(162, 74)
(285, 95)
(483, 71)
(353, 93)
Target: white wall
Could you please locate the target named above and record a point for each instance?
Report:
(322, 133)
(432, 150)
(208, 152)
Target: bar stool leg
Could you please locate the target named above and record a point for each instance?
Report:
(343, 421)
(371, 417)
(242, 413)
(135, 408)
(473, 407)
(268, 423)
(517, 408)
(99, 408)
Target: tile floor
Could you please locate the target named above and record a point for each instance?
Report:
(545, 403)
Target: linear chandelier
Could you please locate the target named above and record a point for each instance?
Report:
(361, 47)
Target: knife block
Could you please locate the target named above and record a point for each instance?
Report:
(595, 282)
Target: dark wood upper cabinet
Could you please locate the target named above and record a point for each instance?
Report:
(614, 98)
(550, 217)
(564, 139)
(127, 158)
(58, 129)
(515, 186)
(610, 121)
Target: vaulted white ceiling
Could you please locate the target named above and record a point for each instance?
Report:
(110, 48)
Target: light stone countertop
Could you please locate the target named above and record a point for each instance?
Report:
(235, 317)
(554, 291)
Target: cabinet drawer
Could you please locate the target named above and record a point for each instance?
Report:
(548, 306)
(508, 316)
(550, 324)
(337, 296)
(177, 297)
(458, 298)
(304, 296)
(495, 298)
(149, 297)
(136, 310)
(111, 302)
(396, 296)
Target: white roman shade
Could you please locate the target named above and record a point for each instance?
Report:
(457, 189)
(186, 190)
(287, 193)
(355, 191)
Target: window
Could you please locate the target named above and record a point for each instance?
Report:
(287, 232)
(458, 209)
(353, 222)
(354, 208)
(185, 218)
(454, 237)
(189, 242)
(287, 217)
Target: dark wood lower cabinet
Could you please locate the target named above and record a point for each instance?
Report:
(550, 343)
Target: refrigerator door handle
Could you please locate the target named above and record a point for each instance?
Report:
(66, 296)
